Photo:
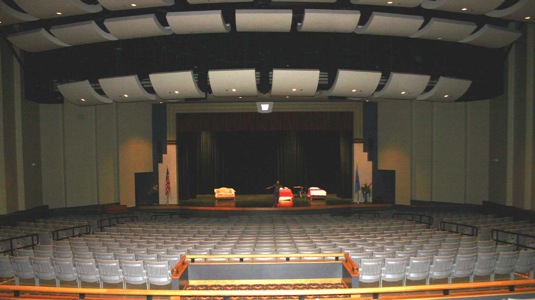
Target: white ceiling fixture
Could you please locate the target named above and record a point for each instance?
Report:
(403, 86)
(57, 8)
(125, 89)
(82, 33)
(82, 93)
(391, 24)
(324, 20)
(396, 3)
(305, 1)
(523, 11)
(446, 90)
(216, 1)
(264, 107)
(355, 84)
(135, 27)
(175, 85)
(192, 22)
(233, 83)
(491, 36)
(9, 16)
(263, 20)
(134, 4)
(295, 83)
(445, 30)
(36, 40)
(473, 7)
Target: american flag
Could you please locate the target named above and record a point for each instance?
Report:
(167, 183)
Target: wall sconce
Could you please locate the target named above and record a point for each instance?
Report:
(264, 107)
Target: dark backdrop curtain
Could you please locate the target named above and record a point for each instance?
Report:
(187, 146)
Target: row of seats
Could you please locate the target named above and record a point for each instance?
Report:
(89, 270)
(446, 267)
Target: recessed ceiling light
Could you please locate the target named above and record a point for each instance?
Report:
(83, 100)
(239, 97)
(125, 95)
(354, 90)
(446, 96)
(527, 18)
(0, 22)
(58, 13)
(133, 4)
(439, 38)
(161, 102)
(390, 2)
(403, 93)
(233, 90)
(464, 8)
(176, 92)
(294, 89)
(287, 97)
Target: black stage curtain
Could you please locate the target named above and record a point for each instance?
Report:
(250, 160)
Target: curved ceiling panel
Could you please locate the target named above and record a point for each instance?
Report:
(305, 1)
(233, 83)
(81, 33)
(445, 30)
(403, 86)
(263, 20)
(391, 24)
(323, 20)
(356, 84)
(129, 4)
(57, 8)
(82, 93)
(491, 36)
(191, 22)
(473, 7)
(10, 16)
(175, 85)
(523, 10)
(125, 89)
(36, 41)
(135, 27)
(446, 90)
(291, 83)
(396, 3)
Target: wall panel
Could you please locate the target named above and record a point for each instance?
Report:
(477, 152)
(422, 151)
(107, 160)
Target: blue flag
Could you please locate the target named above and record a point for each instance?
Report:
(357, 179)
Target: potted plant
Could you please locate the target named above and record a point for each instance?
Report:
(366, 189)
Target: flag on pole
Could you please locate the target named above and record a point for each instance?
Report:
(167, 183)
(357, 179)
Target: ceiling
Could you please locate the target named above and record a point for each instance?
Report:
(93, 52)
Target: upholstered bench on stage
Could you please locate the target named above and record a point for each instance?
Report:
(286, 197)
(225, 193)
(316, 193)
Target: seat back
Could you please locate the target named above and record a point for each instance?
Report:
(485, 264)
(464, 265)
(505, 263)
(110, 271)
(172, 260)
(6, 269)
(87, 270)
(158, 273)
(133, 271)
(441, 267)
(22, 268)
(394, 269)
(525, 262)
(64, 269)
(418, 268)
(42, 268)
(370, 269)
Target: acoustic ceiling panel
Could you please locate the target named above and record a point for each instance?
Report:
(523, 10)
(135, 27)
(491, 36)
(403, 86)
(9, 16)
(125, 89)
(216, 1)
(191, 22)
(175, 85)
(393, 3)
(355, 84)
(36, 41)
(473, 7)
(291, 83)
(233, 83)
(305, 1)
(82, 93)
(264, 20)
(47, 9)
(130, 4)
(446, 90)
(81, 33)
(446, 30)
(391, 24)
(323, 20)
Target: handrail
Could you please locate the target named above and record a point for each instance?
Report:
(108, 222)
(56, 237)
(35, 241)
(445, 290)
(419, 218)
(496, 237)
(473, 229)
(274, 255)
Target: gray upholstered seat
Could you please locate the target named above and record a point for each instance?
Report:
(87, 270)
(42, 269)
(394, 270)
(110, 272)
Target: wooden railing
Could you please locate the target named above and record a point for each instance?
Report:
(413, 292)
